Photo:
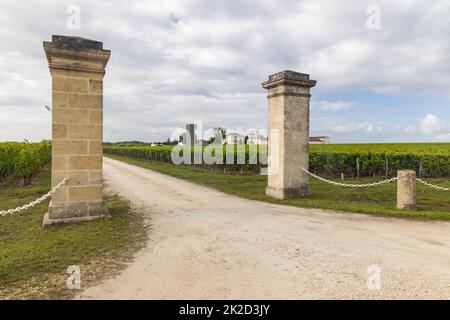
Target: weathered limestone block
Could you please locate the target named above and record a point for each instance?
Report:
(406, 189)
(288, 95)
(77, 66)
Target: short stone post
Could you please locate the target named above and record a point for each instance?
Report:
(288, 95)
(406, 189)
(77, 66)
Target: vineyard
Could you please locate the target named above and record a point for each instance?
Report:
(23, 159)
(333, 160)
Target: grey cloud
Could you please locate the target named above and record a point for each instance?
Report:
(179, 61)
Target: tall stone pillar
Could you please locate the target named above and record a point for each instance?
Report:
(77, 66)
(190, 135)
(288, 95)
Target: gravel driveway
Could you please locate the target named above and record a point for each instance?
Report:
(204, 244)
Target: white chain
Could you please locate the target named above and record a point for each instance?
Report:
(432, 185)
(37, 201)
(349, 185)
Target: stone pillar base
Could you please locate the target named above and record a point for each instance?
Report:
(288, 193)
(74, 212)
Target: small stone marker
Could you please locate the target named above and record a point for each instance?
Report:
(406, 189)
(288, 95)
(77, 66)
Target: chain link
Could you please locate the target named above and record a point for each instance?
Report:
(38, 200)
(349, 185)
(432, 185)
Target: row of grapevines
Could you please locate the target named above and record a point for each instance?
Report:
(159, 154)
(231, 160)
(334, 160)
(23, 159)
(385, 148)
(378, 164)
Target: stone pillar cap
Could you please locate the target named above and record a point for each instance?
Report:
(75, 48)
(407, 171)
(289, 77)
(75, 44)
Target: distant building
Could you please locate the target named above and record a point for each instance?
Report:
(319, 140)
(253, 138)
(234, 138)
(250, 138)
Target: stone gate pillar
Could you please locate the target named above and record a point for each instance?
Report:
(288, 95)
(77, 66)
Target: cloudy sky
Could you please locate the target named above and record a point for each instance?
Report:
(383, 72)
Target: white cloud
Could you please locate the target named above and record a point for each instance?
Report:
(357, 127)
(431, 124)
(411, 129)
(443, 136)
(324, 105)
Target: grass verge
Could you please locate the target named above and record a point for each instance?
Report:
(431, 204)
(34, 261)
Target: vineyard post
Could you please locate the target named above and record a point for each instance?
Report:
(406, 189)
(420, 168)
(77, 67)
(386, 167)
(288, 149)
(357, 167)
